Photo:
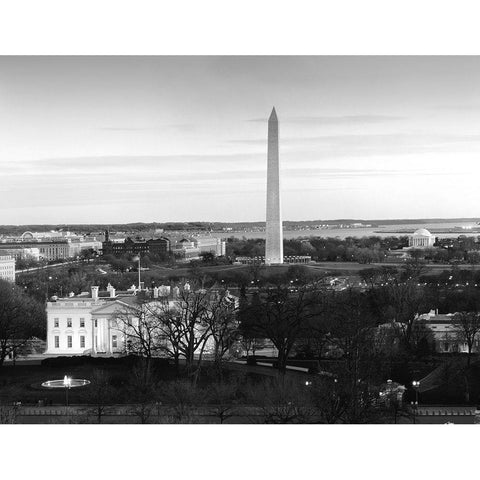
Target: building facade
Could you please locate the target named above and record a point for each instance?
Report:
(293, 259)
(156, 246)
(7, 268)
(21, 253)
(442, 333)
(101, 323)
(421, 238)
(85, 324)
(53, 249)
(213, 245)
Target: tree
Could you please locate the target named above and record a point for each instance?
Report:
(473, 258)
(142, 390)
(467, 327)
(100, 393)
(21, 318)
(282, 401)
(282, 316)
(182, 397)
(222, 396)
(141, 328)
(400, 301)
(223, 326)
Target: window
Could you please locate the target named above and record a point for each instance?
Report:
(69, 322)
(114, 341)
(57, 341)
(95, 323)
(82, 341)
(55, 322)
(69, 341)
(82, 322)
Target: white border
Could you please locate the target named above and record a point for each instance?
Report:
(228, 28)
(306, 27)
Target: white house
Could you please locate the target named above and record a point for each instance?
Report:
(101, 323)
(440, 329)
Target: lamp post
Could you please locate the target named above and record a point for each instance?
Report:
(415, 385)
(137, 259)
(48, 285)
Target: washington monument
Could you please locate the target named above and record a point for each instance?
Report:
(274, 241)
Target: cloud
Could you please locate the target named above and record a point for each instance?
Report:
(112, 164)
(181, 127)
(336, 120)
(364, 145)
(470, 107)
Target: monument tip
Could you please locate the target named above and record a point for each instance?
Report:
(273, 115)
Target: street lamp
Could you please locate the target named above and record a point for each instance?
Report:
(414, 408)
(48, 284)
(416, 386)
(137, 258)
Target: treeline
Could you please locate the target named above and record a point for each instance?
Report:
(350, 249)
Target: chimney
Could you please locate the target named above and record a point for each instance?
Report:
(155, 292)
(112, 292)
(95, 293)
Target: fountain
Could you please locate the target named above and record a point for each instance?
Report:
(67, 383)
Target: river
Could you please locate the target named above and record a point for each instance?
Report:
(441, 230)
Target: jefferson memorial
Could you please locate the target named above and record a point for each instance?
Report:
(421, 238)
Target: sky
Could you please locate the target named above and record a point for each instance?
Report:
(142, 139)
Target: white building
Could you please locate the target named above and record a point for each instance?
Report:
(97, 323)
(7, 268)
(83, 324)
(442, 333)
(210, 245)
(22, 253)
(421, 238)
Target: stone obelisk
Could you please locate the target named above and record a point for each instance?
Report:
(274, 240)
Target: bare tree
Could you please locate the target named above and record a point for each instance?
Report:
(282, 401)
(223, 397)
(100, 393)
(223, 324)
(182, 397)
(467, 327)
(140, 328)
(283, 316)
(142, 390)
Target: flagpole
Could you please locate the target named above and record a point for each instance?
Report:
(139, 284)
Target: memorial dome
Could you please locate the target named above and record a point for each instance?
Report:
(422, 232)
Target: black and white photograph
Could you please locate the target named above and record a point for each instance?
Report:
(240, 241)
(175, 254)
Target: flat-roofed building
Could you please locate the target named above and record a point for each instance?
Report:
(156, 246)
(7, 268)
(210, 245)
